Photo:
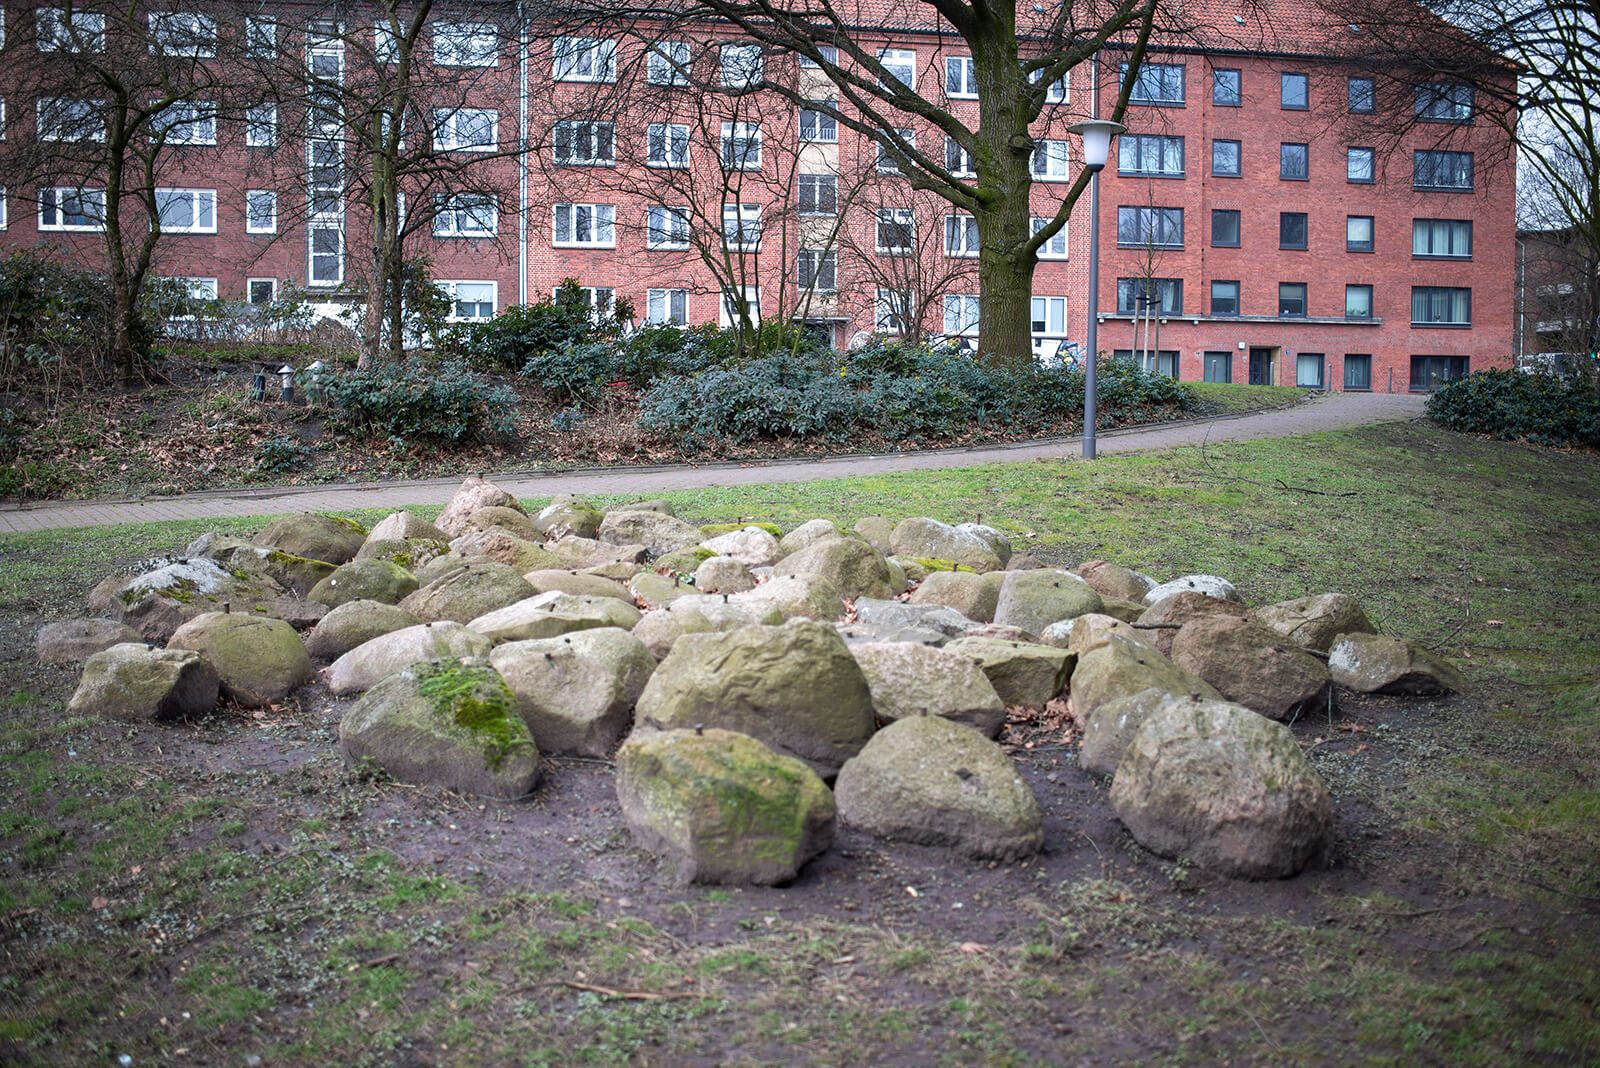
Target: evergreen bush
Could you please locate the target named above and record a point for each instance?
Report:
(1513, 405)
(414, 402)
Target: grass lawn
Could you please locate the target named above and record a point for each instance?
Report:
(1235, 399)
(211, 893)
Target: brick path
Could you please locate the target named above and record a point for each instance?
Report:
(1332, 411)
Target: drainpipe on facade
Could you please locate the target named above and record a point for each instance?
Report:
(522, 155)
(1522, 303)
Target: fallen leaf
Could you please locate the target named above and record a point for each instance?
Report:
(99, 903)
(972, 947)
(1494, 623)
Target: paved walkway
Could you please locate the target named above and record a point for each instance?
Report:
(1332, 411)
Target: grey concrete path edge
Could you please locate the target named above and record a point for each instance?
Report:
(1331, 411)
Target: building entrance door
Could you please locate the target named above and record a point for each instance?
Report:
(1261, 367)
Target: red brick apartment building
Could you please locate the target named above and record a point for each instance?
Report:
(1273, 214)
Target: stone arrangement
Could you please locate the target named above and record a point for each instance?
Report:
(736, 671)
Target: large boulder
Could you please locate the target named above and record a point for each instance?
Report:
(1314, 622)
(1374, 663)
(505, 547)
(706, 611)
(751, 546)
(317, 537)
(135, 682)
(1225, 788)
(1111, 728)
(567, 514)
(1168, 615)
(806, 535)
(404, 525)
(972, 595)
(922, 538)
(576, 693)
(412, 554)
(656, 531)
(656, 591)
(467, 592)
(258, 660)
(555, 579)
(910, 679)
(1085, 632)
(365, 580)
(550, 615)
(1253, 666)
(297, 573)
(1022, 673)
(1032, 600)
(448, 723)
(721, 807)
(362, 667)
(854, 568)
(1210, 585)
(79, 639)
(795, 688)
(1115, 581)
(723, 574)
(156, 602)
(355, 623)
(474, 493)
(877, 531)
(934, 782)
(498, 517)
(1121, 666)
(579, 552)
(799, 597)
(899, 615)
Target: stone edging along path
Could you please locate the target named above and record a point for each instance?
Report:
(1331, 411)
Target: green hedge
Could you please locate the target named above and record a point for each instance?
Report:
(414, 402)
(1512, 405)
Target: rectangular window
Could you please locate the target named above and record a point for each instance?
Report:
(1050, 316)
(1225, 159)
(901, 65)
(1308, 370)
(72, 209)
(887, 164)
(828, 53)
(466, 215)
(1294, 92)
(1217, 366)
(896, 233)
(584, 59)
(182, 33)
(466, 44)
(1150, 155)
(1441, 239)
(1056, 247)
(596, 299)
(892, 311)
(1294, 162)
(1358, 165)
(1049, 161)
(326, 250)
(467, 129)
(741, 302)
(1142, 227)
(1441, 306)
(1224, 298)
(741, 227)
(668, 64)
(960, 78)
(1225, 228)
(1443, 102)
(818, 127)
(1292, 299)
(741, 66)
(187, 211)
(585, 144)
(260, 211)
(1358, 302)
(1448, 171)
(77, 31)
(1431, 372)
(667, 307)
(1137, 295)
(666, 144)
(960, 314)
(1226, 89)
(259, 291)
(260, 37)
(186, 122)
(1291, 229)
(470, 302)
(819, 194)
(385, 41)
(1056, 91)
(666, 227)
(261, 126)
(957, 161)
(1358, 371)
(1363, 96)
(741, 146)
(5, 218)
(1358, 233)
(584, 225)
(1157, 84)
(818, 270)
(68, 119)
(960, 235)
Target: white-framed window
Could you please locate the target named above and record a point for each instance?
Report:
(892, 310)
(470, 302)
(886, 162)
(182, 33)
(2, 109)
(1056, 247)
(1056, 92)
(960, 235)
(896, 231)
(669, 307)
(70, 119)
(666, 144)
(819, 194)
(598, 299)
(742, 66)
(749, 297)
(466, 44)
(580, 143)
(1050, 316)
(666, 227)
(261, 126)
(66, 208)
(584, 225)
(187, 122)
(325, 253)
(668, 63)
(259, 291)
(78, 31)
(196, 288)
(260, 211)
(5, 218)
(901, 64)
(1049, 161)
(584, 59)
(465, 129)
(385, 41)
(817, 270)
(741, 146)
(466, 215)
(325, 176)
(260, 37)
(957, 160)
(818, 127)
(960, 314)
(960, 77)
(828, 53)
(187, 211)
(741, 227)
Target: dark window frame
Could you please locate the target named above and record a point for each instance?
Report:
(1371, 294)
(1284, 241)
(1238, 158)
(1284, 91)
(1372, 234)
(1427, 178)
(1286, 162)
(1238, 226)
(1227, 99)
(1154, 226)
(1164, 288)
(1451, 226)
(1235, 298)
(1141, 143)
(1366, 357)
(1304, 299)
(1372, 165)
(1437, 297)
(1159, 71)
(1362, 101)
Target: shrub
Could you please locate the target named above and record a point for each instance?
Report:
(1513, 405)
(417, 403)
(519, 334)
(279, 455)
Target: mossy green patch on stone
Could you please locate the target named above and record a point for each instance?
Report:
(712, 530)
(685, 560)
(943, 565)
(475, 697)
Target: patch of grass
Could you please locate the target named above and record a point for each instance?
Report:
(1226, 398)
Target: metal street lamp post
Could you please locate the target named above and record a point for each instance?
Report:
(1097, 135)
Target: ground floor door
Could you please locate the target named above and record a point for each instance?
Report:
(1261, 367)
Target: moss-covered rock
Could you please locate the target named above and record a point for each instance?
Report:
(498, 516)
(584, 585)
(1121, 666)
(505, 547)
(1022, 673)
(1314, 622)
(365, 580)
(403, 525)
(807, 534)
(79, 639)
(355, 623)
(684, 561)
(1375, 663)
(911, 679)
(658, 532)
(330, 538)
(137, 683)
(467, 592)
(799, 597)
(364, 666)
(410, 553)
(713, 530)
(656, 591)
(257, 660)
(473, 493)
(922, 538)
(854, 568)
(567, 514)
(1032, 600)
(753, 546)
(549, 615)
(967, 593)
(576, 693)
(156, 602)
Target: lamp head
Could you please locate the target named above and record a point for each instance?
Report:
(1097, 135)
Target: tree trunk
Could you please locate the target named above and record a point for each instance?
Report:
(123, 356)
